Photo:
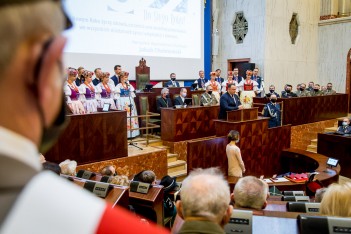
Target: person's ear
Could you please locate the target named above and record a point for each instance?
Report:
(232, 197)
(264, 205)
(227, 215)
(179, 209)
(50, 75)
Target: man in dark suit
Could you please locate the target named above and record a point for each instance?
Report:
(172, 82)
(258, 79)
(115, 78)
(98, 74)
(219, 79)
(236, 76)
(228, 102)
(287, 93)
(164, 101)
(201, 81)
(182, 95)
(80, 77)
(345, 127)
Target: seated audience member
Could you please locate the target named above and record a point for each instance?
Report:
(164, 100)
(287, 93)
(272, 110)
(54, 167)
(72, 94)
(108, 171)
(329, 90)
(201, 81)
(316, 91)
(172, 82)
(345, 127)
(168, 183)
(182, 95)
(68, 167)
(228, 102)
(146, 176)
(205, 202)
(337, 200)
(310, 86)
(208, 98)
(303, 92)
(272, 91)
(121, 180)
(250, 192)
(320, 194)
(298, 86)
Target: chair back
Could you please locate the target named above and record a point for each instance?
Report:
(142, 73)
(196, 100)
(143, 105)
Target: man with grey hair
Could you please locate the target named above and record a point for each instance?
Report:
(208, 98)
(31, 76)
(250, 192)
(163, 101)
(204, 203)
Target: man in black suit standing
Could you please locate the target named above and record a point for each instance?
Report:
(228, 102)
(181, 99)
(219, 79)
(172, 82)
(98, 74)
(115, 77)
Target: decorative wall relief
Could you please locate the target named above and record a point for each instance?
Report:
(240, 27)
(293, 28)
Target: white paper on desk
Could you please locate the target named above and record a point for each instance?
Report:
(278, 180)
(267, 181)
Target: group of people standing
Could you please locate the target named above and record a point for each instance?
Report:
(85, 95)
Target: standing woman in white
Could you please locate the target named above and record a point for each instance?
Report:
(87, 90)
(236, 165)
(72, 94)
(125, 101)
(107, 91)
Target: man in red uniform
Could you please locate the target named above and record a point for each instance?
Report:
(32, 113)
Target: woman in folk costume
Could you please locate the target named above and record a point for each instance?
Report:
(228, 81)
(72, 93)
(106, 90)
(216, 87)
(87, 90)
(247, 90)
(125, 101)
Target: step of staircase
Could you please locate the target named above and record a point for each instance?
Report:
(181, 175)
(172, 157)
(314, 142)
(312, 148)
(178, 165)
(163, 147)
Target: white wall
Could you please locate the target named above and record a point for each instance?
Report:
(268, 42)
(334, 45)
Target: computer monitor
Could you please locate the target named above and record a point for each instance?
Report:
(332, 162)
(193, 86)
(148, 87)
(188, 101)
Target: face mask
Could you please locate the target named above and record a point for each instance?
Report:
(316, 90)
(329, 88)
(271, 90)
(52, 133)
(173, 79)
(183, 95)
(167, 96)
(274, 100)
(210, 92)
(302, 89)
(344, 124)
(287, 90)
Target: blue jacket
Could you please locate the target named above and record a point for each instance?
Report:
(273, 112)
(115, 79)
(344, 130)
(258, 79)
(169, 83)
(227, 104)
(199, 83)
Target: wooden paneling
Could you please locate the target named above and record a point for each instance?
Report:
(242, 115)
(302, 110)
(188, 123)
(91, 138)
(338, 147)
(260, 147)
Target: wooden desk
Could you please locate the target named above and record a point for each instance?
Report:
(152, 200)
(302, 110)
(188, 123)
(92, 137)
(118, 195)
(242, 115)
(336, 146)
